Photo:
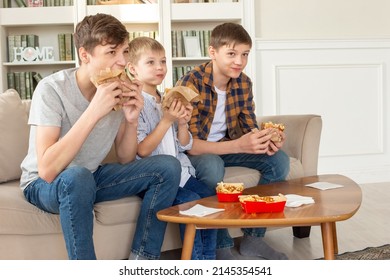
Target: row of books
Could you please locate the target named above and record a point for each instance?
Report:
(23, 41)
(65, 46)
(66, 51)
(135, 34)
(35, 3)
(114, 2)
(190, 43)
(23, 82)
(179, 71)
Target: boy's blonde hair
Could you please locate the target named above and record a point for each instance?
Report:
(140, 45)
(229, 34)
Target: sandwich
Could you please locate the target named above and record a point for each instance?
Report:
(185, 94)
(107, 76)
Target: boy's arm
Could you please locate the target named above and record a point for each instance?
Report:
(247, 116)
(152, 140)
(250, 143)
(126, 142)
(54, 154)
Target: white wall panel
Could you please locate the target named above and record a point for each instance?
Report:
(346, 82)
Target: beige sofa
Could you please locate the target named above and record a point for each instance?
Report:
(29, 233)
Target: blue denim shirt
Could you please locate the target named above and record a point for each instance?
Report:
(150, 116)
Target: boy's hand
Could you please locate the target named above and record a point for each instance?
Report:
(175, 112)
(187, 115)
(105, 98)
(255, 142)
(276, 146)
(132, 108)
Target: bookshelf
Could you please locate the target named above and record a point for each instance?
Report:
(158, 19)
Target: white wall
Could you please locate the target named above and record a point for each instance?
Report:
(338, 71)
(322, 19)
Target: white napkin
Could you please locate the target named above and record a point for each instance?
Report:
(324, 185)
(295, 200)
(200, 211)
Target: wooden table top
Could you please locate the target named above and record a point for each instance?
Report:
(330, 205)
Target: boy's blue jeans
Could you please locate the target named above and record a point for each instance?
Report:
(74, 192)
(211, 170)
(205, 239)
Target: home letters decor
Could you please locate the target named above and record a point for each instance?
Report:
(30, 54)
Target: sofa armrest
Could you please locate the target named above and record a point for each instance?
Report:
(303, 133)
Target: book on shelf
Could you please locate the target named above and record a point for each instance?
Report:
(69, 52)
(61, 47)
(20, 41)
(36, 3)
(11, 45)
(11, 80)
(37, 77)
(135, 34)
(116, 2)
(6, 4)
(32, 40)
(196, 41)
(23, 82)
(65, 47)
(21, 3)
(179, 71)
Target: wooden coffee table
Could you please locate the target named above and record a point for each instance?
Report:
(330, 206)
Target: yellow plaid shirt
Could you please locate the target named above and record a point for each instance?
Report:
(239, 107)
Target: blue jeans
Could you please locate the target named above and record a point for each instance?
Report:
(205, 239)
(272, 168)
(75, 190)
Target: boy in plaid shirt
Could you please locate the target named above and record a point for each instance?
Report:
(224, 129)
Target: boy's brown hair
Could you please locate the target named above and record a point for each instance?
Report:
(140, 45)
(229, 34)
(99, 29)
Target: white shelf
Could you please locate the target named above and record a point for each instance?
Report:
(40, 63)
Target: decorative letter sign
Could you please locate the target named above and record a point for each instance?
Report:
(30, 54)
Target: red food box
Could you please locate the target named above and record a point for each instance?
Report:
(263, 206)
(228, 197)
(229, 192)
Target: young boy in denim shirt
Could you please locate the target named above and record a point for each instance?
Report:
(165, 131)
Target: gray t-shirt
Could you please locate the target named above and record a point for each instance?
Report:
(57, 101)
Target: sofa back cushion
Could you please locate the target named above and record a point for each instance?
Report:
(14, 133)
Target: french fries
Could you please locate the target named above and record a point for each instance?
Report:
(258, 198)
(230, 187)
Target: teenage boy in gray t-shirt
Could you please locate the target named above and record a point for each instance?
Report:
(73, 126)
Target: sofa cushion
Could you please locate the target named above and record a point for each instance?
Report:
(14, 135)
(17, 216)
(116, 212)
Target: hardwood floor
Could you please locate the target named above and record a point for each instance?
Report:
(369, 227)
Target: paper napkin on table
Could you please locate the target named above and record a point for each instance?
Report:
(324, 185)
(200, 211)
(295, 200)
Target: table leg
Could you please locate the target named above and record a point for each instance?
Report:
(188, 242)
(327, 240)
(335, 243)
